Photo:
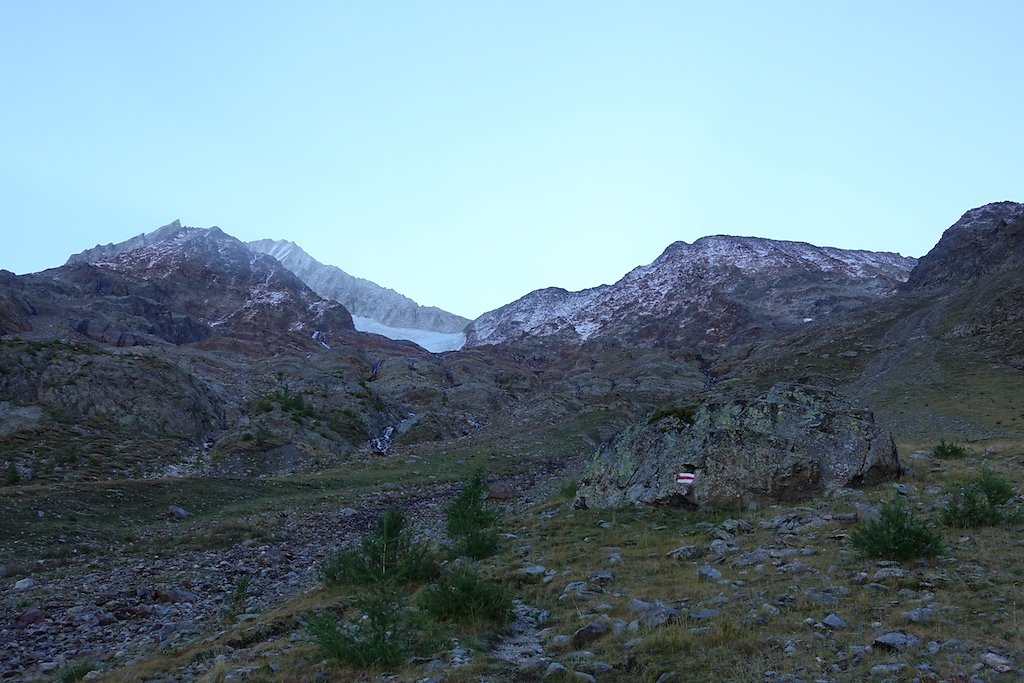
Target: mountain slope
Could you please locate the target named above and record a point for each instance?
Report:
(364, 299)
(717, 291)
(944, 355)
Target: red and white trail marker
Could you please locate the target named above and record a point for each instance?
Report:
(685, 478)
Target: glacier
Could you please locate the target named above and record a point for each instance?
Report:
(435, 342)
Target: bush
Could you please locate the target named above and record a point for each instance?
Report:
(386, 634)
(979, 502)
(470, 524)
(11, 475)
(949, 450)
(463, 595)
(998, 490)
(75, 673)
(684, 414)
(388, 554)
(896, 535)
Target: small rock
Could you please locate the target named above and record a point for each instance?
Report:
(271, 557)
(1000, 664)
(823, 597)
(501, 490)
(735, 525)
(555, 669)
(582, 676)
(888, 574)
(576, 589)
(685, 552)
(588, 634)
(655, 613)
(896, 640)
(919, 615)
(176, 512)
(594, 668)
(708, 573)
(534, 571)
(720, 547)
(754, 557)
(49, 666)
(24, 584)
(30, 616)
(723, 535)
(667, 677)
(704, 614)
(835, 622)
(601, 576)
(886, 669)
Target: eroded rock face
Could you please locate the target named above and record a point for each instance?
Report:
(791, 443)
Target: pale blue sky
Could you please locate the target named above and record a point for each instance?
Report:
(467, 153)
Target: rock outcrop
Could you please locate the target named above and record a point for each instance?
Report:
(790, 443)
(985, 241)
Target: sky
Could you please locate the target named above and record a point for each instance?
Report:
(466, 153)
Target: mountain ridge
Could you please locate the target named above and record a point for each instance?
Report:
(363, 298)
(691, 285)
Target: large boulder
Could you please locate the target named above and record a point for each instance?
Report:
(793, 442)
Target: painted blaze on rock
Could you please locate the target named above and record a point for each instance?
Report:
(793, 442)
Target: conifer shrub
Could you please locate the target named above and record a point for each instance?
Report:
(75, 672)
(386, 632)
(896, 535)
(684, 414)
(388, 554)
(982, 501)
(11, 474)
(951, 450)
(471, 524)
(462, 595)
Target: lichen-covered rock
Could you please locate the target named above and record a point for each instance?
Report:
(793, 442)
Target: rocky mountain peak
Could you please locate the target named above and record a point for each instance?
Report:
(986, 240)
(214, 279)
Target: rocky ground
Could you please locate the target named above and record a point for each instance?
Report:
(774, 594)
(114, 611)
